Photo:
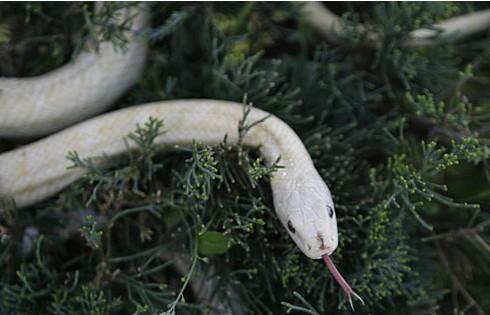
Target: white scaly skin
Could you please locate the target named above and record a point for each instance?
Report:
(331, 26)
(455, 28)
(88, 85)
(301, 199)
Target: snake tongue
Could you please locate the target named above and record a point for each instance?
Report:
(341, 281)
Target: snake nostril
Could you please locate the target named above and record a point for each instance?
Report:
(319, 237)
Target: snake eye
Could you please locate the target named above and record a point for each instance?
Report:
(330, 211)
(291, 227)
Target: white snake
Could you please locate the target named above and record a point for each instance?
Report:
(91, 82)
(332, 27)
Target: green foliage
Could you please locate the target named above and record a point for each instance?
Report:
(51, 34)
(39, 286)
(213, 243)
(4, 34)
(90, 233)
(201, 172)
(400, 136)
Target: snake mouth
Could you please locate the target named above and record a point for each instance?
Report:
(326, 247)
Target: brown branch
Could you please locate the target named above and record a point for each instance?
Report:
(482, 242)
(456, 283)
(457, 233)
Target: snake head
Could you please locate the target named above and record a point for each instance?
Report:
(308, 214)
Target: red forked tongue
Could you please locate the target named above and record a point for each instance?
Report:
(341, 281)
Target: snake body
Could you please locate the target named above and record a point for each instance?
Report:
(88, 85)
(302, 200)
(332, 27)
(33, 107)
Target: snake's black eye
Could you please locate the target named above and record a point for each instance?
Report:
(330, 211)
(291, 227)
